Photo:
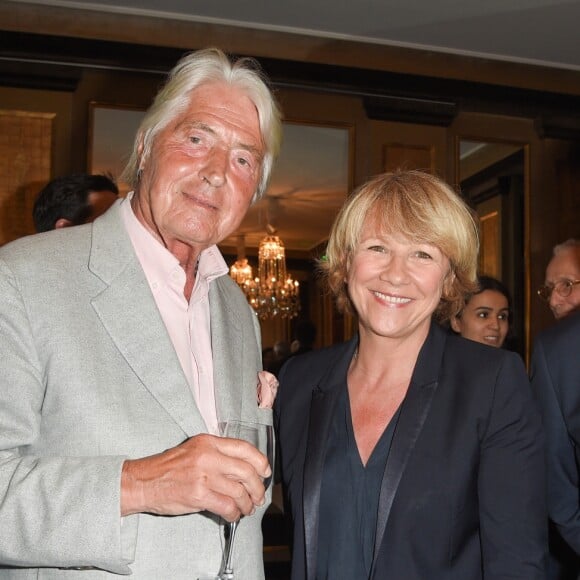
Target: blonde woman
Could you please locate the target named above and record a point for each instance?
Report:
(407, 452)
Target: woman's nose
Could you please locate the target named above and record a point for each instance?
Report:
(394, 270)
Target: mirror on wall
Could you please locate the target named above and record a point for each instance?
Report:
(310, 181)
(492, 178)
(112, 130)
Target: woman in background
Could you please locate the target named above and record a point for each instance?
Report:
(408, 452)
(486, 315)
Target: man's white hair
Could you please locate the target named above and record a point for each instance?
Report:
(569, 243)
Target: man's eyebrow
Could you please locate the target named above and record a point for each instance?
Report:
(197, 125)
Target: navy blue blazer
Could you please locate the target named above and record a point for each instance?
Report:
(555, 375)
(463, 492)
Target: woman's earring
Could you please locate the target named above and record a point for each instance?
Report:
(139, 175)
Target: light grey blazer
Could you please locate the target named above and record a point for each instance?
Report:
(88, 378)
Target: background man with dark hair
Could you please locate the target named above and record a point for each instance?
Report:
(72, 200)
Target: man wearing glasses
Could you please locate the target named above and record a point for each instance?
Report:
(555, 377)
(562, 287)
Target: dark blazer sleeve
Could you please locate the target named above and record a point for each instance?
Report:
(511, 482)
(557, 389)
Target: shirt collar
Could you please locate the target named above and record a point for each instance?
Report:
(157, 261)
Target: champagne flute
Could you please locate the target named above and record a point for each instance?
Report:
(260, 436)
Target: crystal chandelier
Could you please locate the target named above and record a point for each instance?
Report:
(273, 293)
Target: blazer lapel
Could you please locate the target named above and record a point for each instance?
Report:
(322, 407)
(414, 411)
(229, 353)
(128, 312)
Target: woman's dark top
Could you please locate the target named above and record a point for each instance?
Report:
(349, 499)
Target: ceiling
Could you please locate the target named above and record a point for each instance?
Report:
(527, 31)
(310, 180)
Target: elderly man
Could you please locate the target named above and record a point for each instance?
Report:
(124, 342)
(562, 286)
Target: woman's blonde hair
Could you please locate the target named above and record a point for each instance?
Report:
(193, 70)
(424, 209)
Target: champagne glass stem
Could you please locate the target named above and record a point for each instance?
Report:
(227, 572)
(261, 437)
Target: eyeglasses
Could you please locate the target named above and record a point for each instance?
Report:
(563, 288)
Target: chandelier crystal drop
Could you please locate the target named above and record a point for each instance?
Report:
(273, 292)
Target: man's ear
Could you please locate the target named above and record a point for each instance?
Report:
(62, 223)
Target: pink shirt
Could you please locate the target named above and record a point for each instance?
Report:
(188, 324)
